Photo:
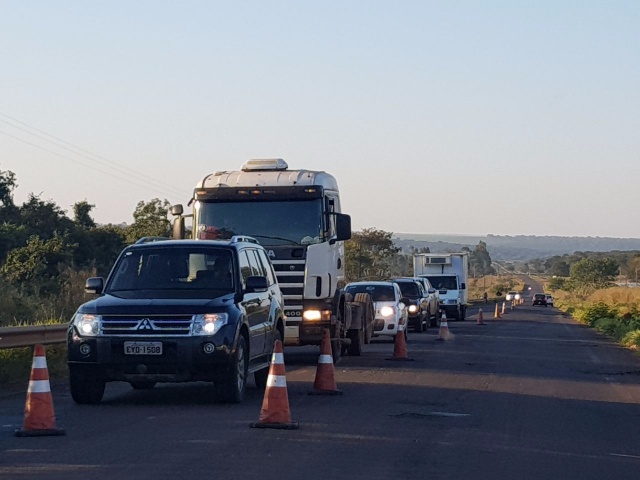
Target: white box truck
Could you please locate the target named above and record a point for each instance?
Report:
(449, 274)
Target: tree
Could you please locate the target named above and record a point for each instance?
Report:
(8, 210)
(367, 252)
(82, 214)
(480, 260)
(44, 218)
(592, 273)
(37, 264)
(150, 220)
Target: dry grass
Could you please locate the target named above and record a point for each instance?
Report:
(493, 283)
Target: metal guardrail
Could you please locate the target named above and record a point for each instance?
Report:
(15, 337)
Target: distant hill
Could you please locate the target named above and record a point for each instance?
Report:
(519, 247)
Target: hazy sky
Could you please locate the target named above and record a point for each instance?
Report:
(504, 117)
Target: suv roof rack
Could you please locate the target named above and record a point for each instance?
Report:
(243, 238)
(151, 239)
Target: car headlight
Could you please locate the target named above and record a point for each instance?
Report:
(517, 296)
(209, 323)
(87, 325)
(413, 308)
(387, 311)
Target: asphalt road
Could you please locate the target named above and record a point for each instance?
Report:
(529, 395)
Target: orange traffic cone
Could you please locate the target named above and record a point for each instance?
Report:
(480, 320)
(496, 313)
(400, 347)
(325, 383)
(444, 333)
(39, 419)
(275, 406)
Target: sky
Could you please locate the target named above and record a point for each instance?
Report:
(461, 117)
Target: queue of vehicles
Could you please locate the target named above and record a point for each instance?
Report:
(266, 262)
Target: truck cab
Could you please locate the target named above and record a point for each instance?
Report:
(296, 216)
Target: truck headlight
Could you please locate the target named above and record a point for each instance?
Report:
(316, 315)
(87, 325)
(413, 308)
(387, 311)
(209, 323)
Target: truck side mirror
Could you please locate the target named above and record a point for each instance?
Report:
(176, 210)
(177, 231)
(343, 226)
(463, 286)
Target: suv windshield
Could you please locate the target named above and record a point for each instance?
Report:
(379, 293)
(185, 272)
(409, 289)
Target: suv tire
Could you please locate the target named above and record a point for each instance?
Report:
(86, 385)
(233, 386)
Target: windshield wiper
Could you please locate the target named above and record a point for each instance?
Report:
(293, 242)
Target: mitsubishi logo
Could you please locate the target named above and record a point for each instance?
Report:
(145, 324)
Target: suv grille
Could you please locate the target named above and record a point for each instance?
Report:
(146, 325)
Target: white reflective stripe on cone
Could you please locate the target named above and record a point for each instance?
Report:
(39, 362)
(39, 386)
(277, 381)
(277, 358)
(325, 359)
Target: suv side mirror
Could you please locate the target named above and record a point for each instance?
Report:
(94, 285)
(256, 283)
(432, 290)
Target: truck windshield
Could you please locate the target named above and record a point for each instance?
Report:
(296, 222)
(444, 282)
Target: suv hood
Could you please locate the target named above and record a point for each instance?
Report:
(111, 305)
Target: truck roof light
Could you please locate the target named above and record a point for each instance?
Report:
(260, 164)
(310, 190)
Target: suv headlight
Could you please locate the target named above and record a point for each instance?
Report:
(209, 323)
(413, 308)
(87, 325)
(387, 311)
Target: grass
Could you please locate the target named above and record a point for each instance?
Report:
(15, 364)
(613, 311)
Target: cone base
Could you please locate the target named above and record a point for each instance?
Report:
(400, 359)
(279, 426)
(40, 433)
(325, 392)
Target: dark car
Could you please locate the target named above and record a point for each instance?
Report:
(539, 299)
(415, 299)
(176, 311)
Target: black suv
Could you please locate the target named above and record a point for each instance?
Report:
(177, 311)
(414, 296)
(539, 299)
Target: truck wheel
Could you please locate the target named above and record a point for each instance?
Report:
(357, 342)
(143, 385)
(369, 314)
(336, 350)
(86, 385)
(233, 387)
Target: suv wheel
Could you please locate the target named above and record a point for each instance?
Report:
(86, 385)
(234, 384)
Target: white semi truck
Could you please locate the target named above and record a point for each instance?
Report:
(449, 274)
(295, 215)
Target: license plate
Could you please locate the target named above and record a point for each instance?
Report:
(143, 348)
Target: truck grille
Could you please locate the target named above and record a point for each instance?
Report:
(290, 274)
(146, 325)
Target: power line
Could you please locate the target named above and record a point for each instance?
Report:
(98, 159)
(124, 179)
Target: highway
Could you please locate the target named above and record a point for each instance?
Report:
(532, 395)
